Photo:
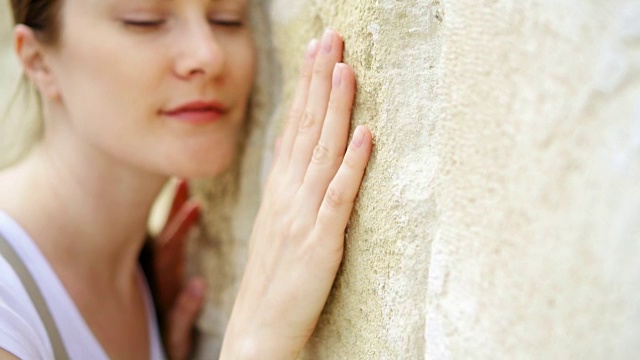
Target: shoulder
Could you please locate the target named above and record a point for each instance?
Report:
(21, 331)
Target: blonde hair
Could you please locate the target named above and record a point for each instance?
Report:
(22, 125)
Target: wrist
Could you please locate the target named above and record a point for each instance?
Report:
(244, 342)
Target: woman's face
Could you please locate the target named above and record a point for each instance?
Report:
(160, 85)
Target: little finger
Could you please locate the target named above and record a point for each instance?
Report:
(299, 102)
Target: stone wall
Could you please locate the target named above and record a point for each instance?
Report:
(500, 215)
(538, 184)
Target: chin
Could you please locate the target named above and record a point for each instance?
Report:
(204, 166)
(206, 154)
(200, 172)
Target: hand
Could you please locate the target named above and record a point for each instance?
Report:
(298, 238)
(178, 304)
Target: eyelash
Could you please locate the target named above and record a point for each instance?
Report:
(143, 23)
(227, 23)
(158, 23)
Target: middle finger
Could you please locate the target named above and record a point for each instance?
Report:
(329, 53)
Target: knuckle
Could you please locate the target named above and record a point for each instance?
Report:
(297, 230)
(294, 114)
(321, 154)
(308, 121)
(280, 211)
(277, 215)
(321, 69)
(306, 73)
(350, 162)
(335, 198)
(324, 254)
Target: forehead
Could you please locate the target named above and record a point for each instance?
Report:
(111, 3)
(75, 8)
(102, 2)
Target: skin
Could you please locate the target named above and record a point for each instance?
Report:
(84, 193)
(177, 302)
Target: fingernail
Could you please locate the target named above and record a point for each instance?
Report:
(312, 49)
(327, 41)
(358, 137)
(337, 75)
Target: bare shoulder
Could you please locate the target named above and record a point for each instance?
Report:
(5, 355)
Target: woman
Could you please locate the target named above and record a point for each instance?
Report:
(136, 91)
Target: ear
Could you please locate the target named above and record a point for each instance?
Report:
(31, 54)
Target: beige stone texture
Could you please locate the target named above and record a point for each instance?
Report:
(500, 214)
(538, 185)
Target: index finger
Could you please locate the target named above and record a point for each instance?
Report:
(298, 106)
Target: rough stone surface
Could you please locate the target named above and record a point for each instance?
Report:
(538, 191)
(500, 213)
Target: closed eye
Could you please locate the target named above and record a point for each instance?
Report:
(227, 23)
(143, 23)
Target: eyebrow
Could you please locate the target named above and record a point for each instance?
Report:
(244, 2)
(233, 1)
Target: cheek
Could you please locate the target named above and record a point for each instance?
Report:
(242, 60)
(101, 80)
(104, 100)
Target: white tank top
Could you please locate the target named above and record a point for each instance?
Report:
(22, 333)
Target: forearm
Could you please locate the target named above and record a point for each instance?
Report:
(258, 344)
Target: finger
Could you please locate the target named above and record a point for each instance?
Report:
(277, 148)
(330, 149)
(299, 102)
(342, 191)
(179, 198)
(175, 231)
(169, 254)
(182, 319)
(329, 53)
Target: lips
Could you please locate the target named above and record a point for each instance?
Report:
(197, 112)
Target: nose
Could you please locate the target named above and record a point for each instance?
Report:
(200, 53)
